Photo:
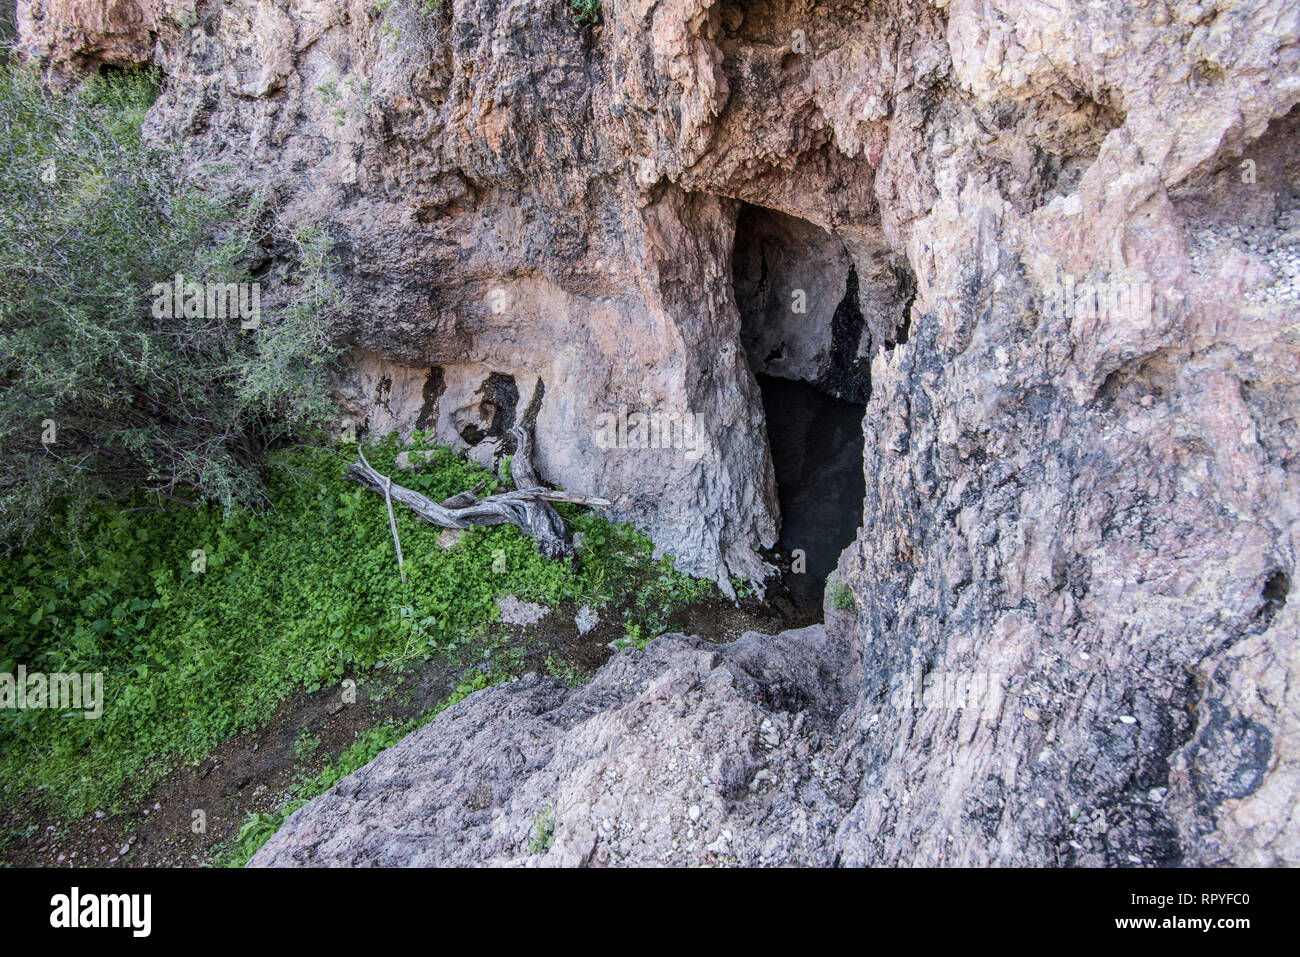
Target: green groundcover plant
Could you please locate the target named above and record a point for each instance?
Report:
(296, 595)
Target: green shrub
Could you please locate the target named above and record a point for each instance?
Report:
(542, 837)
(841, 597)
(101, 399)
(256, 831)
(586, 11)
(364, 750)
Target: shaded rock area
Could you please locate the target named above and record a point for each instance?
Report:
(816, 444)
(1073, 232)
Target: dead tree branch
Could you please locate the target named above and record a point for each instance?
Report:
(527, 506)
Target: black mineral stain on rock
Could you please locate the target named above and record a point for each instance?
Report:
(434, 384)
(1274, 595)
(849, 377)
(984, 807)
(500, 398)
(1230, 756)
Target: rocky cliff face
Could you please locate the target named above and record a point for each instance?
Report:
(1074, 234)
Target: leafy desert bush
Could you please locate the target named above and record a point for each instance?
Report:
(102, 398)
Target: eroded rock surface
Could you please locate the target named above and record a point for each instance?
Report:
(688, 753)
(1086, 511)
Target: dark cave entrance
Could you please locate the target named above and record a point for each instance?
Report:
(812, 315)
(816, 443)
(808, 345)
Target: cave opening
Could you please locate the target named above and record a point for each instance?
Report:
(816, 444)
(808, 345)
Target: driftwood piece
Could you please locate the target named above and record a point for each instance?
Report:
(528, 505)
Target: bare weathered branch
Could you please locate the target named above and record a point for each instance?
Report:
(527, 506)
